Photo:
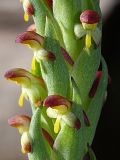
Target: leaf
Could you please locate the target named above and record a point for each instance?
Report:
(40, 150)
(84, 71)
(96, 104)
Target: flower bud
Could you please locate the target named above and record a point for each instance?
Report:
(26, 143)
(89, 17)
(21, 122)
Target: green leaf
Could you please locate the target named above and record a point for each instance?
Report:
(96, 104)
(84, 71)
(40, 150)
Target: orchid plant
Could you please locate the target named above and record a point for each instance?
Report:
(67, 83)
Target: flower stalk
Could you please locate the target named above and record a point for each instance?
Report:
(65, 88)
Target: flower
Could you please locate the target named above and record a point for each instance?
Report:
(33, 88)
(89, 20)
(28, 9)
(22, 123)
(30, 39)
(35, 42)
(59, 107)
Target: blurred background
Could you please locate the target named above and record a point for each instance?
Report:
(13, 55)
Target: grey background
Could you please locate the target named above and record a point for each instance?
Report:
(14, 55)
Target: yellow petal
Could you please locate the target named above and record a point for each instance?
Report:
(20, 102)
(88, 40)
(57, 125)
(33, 64)
(62, 109)
(26, 17)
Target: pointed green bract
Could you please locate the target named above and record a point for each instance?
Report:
(39, 146)
(84, 71)
(96, 103)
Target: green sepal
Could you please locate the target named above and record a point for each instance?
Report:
(40, 149)
(84, 71)
(67, 15)
(96, 104)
